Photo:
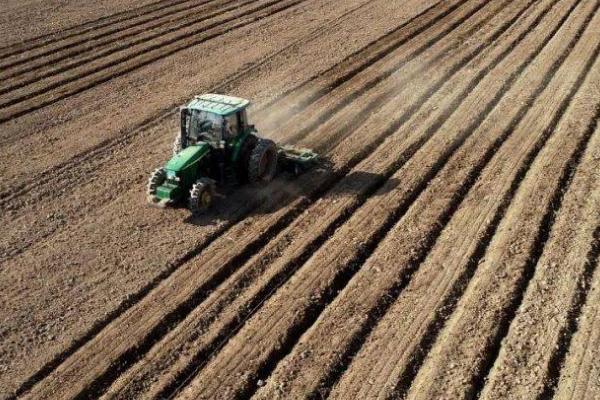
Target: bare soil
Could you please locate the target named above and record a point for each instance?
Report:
(446, 248)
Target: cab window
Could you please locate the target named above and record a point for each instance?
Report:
(232, 125)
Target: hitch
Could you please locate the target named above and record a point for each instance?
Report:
(296, 160)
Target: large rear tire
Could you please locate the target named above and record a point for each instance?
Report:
(262, 164)
(201, 196)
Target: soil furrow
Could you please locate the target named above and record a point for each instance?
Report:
(288, 259)
(171, 41)
(167, 227)
(87, 168)
(402, 66)
(61, 60)
(490, 301)
(540, 333)
(83, 43)
(446, 245)
(397, 356)
(55, 185)
(242, 230)
(78, 30)
(76, 81)
(270, 224)
(580, 374)
(347, 68)
(312, 365)
(249, 349)
(298, 97)
(330, 85)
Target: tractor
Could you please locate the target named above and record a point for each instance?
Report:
(216, 146)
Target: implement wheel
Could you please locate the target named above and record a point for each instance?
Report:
(201, 195)
(262, 164)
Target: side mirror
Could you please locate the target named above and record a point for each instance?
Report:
(183, 132)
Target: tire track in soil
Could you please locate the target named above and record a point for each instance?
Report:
(315, 135)
(231, 290)
(497, 301)
(321, 126)
(117, 312)
(299, 97)
(83, 171)
(508, 108)
(580, 373)
(362, 303)
(349, 67)
(77, 82)
(539, 336)
(13, 138)
(365, 151)
(37, 42)
(80, 44)
(233, 352)
(329, 121)
(59, 61)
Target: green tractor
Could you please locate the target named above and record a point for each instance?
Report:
(217, 145)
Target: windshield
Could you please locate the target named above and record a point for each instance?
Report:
(202, 124)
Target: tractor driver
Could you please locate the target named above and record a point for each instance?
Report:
(223, 134)
(220, 132)
(230, 127)
(217, 133)
(203, 124)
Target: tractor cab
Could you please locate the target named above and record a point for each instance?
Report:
(214, 119)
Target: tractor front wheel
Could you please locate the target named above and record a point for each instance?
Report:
(262, 164)
(156, 179)
(201, 195)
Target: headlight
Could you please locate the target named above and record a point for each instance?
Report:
(171, 175)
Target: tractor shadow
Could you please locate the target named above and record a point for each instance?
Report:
(237, 202)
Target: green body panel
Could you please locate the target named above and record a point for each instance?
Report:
(182, 171)
(169, 191)
(187, 157)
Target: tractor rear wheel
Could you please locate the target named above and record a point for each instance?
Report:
(156, 179)
(262, 164)
(201, 195)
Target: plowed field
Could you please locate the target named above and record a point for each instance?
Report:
(447, 247)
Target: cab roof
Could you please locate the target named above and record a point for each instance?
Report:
(218, 103)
